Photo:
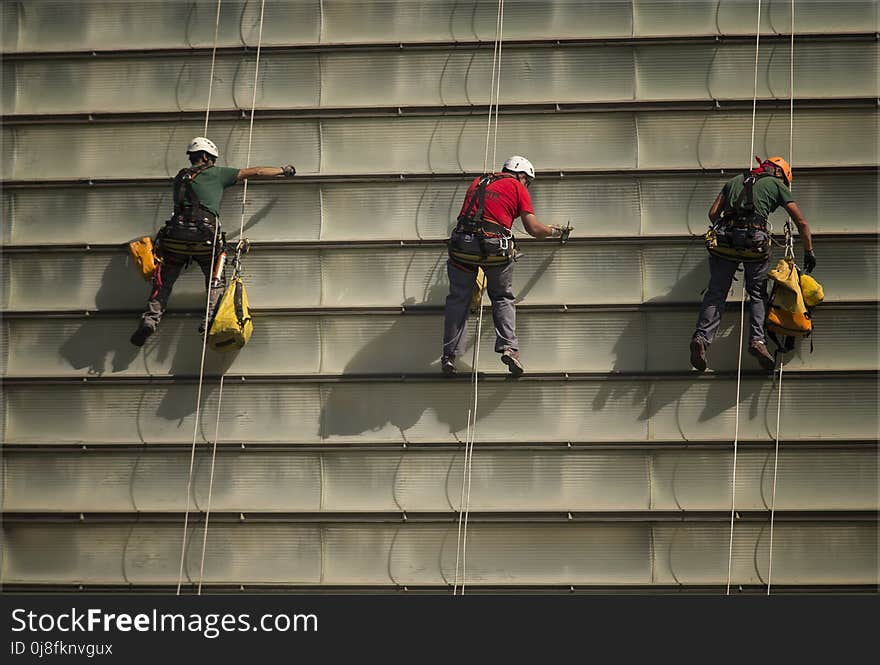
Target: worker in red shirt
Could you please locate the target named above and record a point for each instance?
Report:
(483, 238)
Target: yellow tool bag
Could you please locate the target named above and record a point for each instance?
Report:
(788, 286)
(479, 288)
(812, 291)
(232, 326)
(791, 300)
(144, 258)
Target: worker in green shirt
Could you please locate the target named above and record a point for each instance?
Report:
(193, 231)
(739, 225)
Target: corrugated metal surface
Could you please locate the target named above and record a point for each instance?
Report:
(412, 481)
(548, 274)
(449, 144)
(310, 380)
(56, 25)
(370, 344)
(432, 411)
(509, 555)
(297, 211)
(440, 77)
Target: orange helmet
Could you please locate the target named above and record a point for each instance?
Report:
(786, 169)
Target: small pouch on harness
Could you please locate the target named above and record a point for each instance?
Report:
(738, 243)
(232, 326)
(144, 258)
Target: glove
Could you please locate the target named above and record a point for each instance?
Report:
(809, 262)
(561, 232)
(288, 170)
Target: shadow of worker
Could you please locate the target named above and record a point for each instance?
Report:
(100, 339)
(406, 344)
(656, 341)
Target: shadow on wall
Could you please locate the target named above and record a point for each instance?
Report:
(718, 398)
(352, 409)
(91, 345)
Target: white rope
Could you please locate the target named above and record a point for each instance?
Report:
(210, 487)
(789, 249)
(742, 317)
(468, 461)
(205, 341)
(755, 89)
(192, 457)
(496, 68)
(213, 59)
(470, 435)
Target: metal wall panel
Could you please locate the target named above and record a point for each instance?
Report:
(411, 344)
(423, 481)
(509, 555)
(449, 144)
(297, 211)
(436, 411)
(52, 25)
(571, 74)
(547, 274)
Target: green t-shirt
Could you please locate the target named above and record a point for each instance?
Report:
(769, 193)
(209, 185)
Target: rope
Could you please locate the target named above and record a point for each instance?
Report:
(205, 343)
(241, 234)
(213, 59)
(742, 317)
(192, 457)
(789, 251)
(470, 436)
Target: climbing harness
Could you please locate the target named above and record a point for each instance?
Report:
(741, 234)
(469, 242)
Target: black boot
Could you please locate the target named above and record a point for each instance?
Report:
(141, 334)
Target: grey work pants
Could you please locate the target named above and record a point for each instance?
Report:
(721, 277)
(167, 273)
(499, 285)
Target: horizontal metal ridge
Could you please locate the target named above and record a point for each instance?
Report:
(500, 376)
(12, 56)
(718, 104)
(433, 447)
(457, 176)
(410, 310)
(517, 517)
(435, 242)
(473, 588)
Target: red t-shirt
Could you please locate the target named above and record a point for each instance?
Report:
(506, 199)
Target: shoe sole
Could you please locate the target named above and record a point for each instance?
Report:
(448, 370)
(697, 360)
(140, 339)
(513, 365)
(766, 363)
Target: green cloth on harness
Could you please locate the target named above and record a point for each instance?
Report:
(769, 194)
(209, 185)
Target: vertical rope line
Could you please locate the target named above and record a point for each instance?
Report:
(470, 457)
(213, 58)
(210, 487)
(461, 503)
(788, 248)
(742, 319)
(492, 86)
(192, 457)
(755, 88)
(498, 80)
(253, 106)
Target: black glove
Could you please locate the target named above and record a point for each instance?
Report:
(809, 261)
(288, 170)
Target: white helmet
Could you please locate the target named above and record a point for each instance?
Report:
(517, 164)
(201, 144)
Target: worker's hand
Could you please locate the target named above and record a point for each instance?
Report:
(809, 261)
(561, 232)
(288, 170)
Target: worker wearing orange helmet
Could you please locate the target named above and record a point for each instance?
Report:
(741, 234)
